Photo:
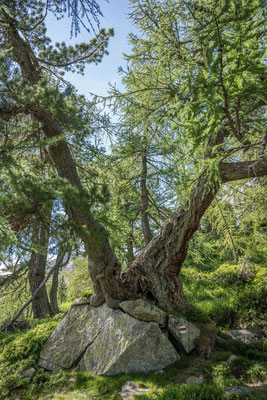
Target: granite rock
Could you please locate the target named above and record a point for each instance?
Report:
(106, 342)
(144, 311)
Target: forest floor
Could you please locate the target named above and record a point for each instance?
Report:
(229, 305)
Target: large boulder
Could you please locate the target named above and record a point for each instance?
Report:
(144, 311)
(106, 342)
(183, 333)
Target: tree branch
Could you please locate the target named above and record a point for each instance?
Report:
(243, 170)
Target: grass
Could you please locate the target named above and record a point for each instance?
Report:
(86, 385)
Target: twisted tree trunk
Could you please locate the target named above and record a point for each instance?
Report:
(155, 271)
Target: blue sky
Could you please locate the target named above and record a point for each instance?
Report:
(97, 77)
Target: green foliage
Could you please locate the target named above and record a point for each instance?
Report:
(220, 356)
(222, 298)
(8, 302)
(20, 351)
(222, 377)
(227, 274)
(190, 76)
(79, 283)
(249, 370)
(255, 351)
(257, 372)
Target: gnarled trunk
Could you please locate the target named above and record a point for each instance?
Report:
(155, 271)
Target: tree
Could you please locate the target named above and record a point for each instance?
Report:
(191, 69)
(37, 268)
(203, 79)
(29, 53)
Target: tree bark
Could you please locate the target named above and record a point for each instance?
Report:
(144, 201)
(36, 275)
(53, 292)
(155, 271)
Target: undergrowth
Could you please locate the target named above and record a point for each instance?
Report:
(20, 351)
(221, 297)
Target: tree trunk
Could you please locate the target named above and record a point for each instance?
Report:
(53, 292)
(61, 261)
(155, 271)
(37, 268)
(144, 201)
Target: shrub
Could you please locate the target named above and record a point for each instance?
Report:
(239, 366)
(222, 377)
(256, 373)
(252, 301)
(227, 274)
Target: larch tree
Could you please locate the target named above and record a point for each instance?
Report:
(198, 67)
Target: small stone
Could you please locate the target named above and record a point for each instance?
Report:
(27, 373)
(144, 311)
(80, 302)
(130, 389)
(183, 332)
(242, 335)
(159, 372)
(231, 359)
(236, 391)
(195, 379)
